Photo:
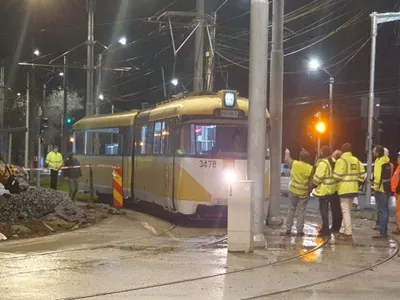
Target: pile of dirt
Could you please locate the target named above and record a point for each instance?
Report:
(38, 212)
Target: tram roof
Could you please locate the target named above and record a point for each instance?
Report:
(107, 121)
(200, 104)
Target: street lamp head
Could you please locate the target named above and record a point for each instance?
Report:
(101, 97)
(36, 52)
(61, 74)
(18, 94)
(314, 64)
(122, 41)
(174, 81)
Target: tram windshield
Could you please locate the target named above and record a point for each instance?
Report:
(214, 140)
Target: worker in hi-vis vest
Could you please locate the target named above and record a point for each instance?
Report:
(299, 189)
(55, 161)
(349, 172)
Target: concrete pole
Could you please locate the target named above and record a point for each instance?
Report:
(331, 83)
(199, 49)
(2, 96)
(38, 164)
(64, 141)
(276, 112)
(28, 86)
(10, 140)
(371, 107)
(91, 4)
(211, 55)
(99, 86)
(257, 111)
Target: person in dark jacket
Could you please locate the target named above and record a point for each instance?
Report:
(73, 174)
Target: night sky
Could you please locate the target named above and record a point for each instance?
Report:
(335, 31)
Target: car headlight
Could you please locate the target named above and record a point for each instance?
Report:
(230, 175)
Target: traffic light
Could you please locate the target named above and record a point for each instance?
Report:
(320, 127)
(44, 124)
(71, 139)
(69, 121)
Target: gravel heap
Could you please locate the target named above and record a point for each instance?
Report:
(41, 204)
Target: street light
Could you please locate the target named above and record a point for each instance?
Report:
(320, 127)
(101, 97)
(174, 81)
(36, 52)
(122, 41)
(314, 65)
(61, 74)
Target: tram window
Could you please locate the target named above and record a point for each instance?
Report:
(80, 142)
(213, 139)
(106, 141)
(161, 137)
(158, 126)
(141, 138)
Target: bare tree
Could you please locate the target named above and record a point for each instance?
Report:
(55, 106)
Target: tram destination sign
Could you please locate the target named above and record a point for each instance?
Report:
(229, 113)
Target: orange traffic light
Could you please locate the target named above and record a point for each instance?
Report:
(320, 127)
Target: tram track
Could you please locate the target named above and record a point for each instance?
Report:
(330, 280)
(305, 253)
(324, 243)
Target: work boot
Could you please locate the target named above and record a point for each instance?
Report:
(344, 237)
(380, 237)
(324, 233)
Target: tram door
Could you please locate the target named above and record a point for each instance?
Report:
(173, 145)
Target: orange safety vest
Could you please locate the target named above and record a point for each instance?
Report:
(395, 179)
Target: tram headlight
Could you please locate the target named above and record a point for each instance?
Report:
(230, 175)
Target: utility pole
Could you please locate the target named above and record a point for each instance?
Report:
(64, 133)
(2, 95)
(99, 78)
(91, 5)
(276, 111)
(258, 79)
(28, 86)
(375, 20)
(198, 81)
(211, 53)
(331, 83)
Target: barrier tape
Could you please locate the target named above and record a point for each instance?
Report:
(16, 168)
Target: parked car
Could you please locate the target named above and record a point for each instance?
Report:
(285, 170)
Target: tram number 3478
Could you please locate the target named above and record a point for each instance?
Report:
(208, 163)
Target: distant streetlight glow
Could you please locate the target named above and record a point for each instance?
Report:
(101, 97)
(122, 41)
(36, 52)
(175, 81)
(61, 74)
(314, 64)
(320, 127)
(18, 94)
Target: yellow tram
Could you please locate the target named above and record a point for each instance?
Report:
(177, 155)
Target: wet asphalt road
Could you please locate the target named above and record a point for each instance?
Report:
(142, 257)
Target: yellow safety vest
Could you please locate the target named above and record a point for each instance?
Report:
(348, 173)
(300, 176)
(323, 179)
(54, 160)
(378, 187)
